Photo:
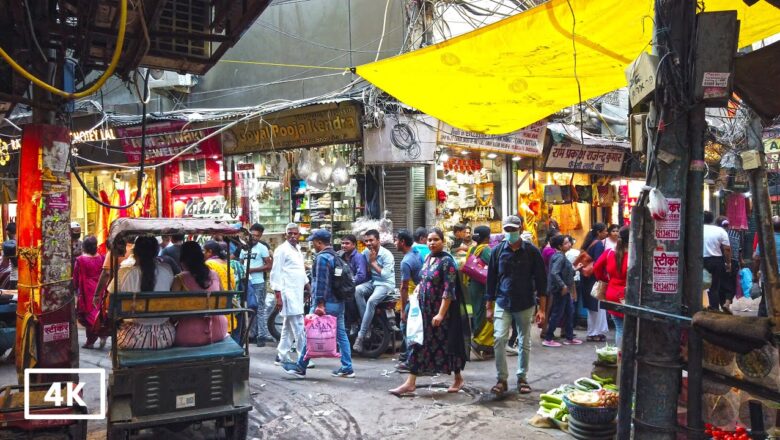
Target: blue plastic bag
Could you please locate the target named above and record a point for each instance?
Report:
(746, 281)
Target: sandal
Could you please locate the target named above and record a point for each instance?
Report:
(499, 388)
(523, 387)
(602, 338)
(593, 338)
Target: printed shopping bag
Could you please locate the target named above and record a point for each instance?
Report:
(321, 336)
(414, 321)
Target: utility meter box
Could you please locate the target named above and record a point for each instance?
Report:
(640, 76)
(717, 36)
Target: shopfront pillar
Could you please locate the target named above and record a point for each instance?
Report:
(46, 334)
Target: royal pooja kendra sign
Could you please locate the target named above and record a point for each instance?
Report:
(305, 127)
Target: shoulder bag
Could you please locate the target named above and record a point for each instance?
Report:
(475, 267)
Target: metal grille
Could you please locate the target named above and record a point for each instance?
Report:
(418, 198)
(152, 394)
(217, 386)
(183, 17)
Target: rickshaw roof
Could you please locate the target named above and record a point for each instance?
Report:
(168, 226)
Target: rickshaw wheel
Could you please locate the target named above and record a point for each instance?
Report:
(239, 429)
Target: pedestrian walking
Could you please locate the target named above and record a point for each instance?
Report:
(612, 268)
(411, 264)
(516, 279)
(597, 317)
(560, 291)
(323, 295)
(445, 328)
(86, 273)
(613, 234)
(288, 281)
(482, 328)
(728, 285)
(717, 259)
(259, 263)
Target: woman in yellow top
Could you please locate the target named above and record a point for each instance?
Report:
(215, 260)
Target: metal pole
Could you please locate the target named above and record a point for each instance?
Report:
(693, 264)
(759, 188)
(658, 356)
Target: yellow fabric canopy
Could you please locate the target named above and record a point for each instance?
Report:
(510, 74)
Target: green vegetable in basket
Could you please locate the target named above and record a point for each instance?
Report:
(587, 384)
(551, 398)
(602, 380)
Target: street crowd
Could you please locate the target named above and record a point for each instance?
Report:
(460, 294)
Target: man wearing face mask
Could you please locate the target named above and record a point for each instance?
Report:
(516, 278)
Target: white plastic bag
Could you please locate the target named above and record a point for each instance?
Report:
(340, 175)
(657, 205)
(414, 321)
(304, 165)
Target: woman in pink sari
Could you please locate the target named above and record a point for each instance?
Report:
(86, 272)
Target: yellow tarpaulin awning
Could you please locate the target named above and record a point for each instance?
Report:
(510, 74)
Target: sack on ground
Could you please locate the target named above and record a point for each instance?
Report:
(321, 336)
(414, 322)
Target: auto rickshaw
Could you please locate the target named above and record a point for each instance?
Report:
(178, 386)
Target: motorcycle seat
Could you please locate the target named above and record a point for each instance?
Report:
(224, 349)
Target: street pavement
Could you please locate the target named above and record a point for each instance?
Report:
(325, 407)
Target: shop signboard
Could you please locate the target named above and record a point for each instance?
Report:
(771, 137)
(594, 159)
(167, 139)
(528, 141)
(311, 126)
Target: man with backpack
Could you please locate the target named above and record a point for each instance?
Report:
(331, 285)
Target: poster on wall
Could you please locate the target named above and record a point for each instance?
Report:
(528, 141)
(571, 157)
(665, 270)
(669, 228)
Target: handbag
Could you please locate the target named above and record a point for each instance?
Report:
(103, 326)
(584, 193)
(599, 291)
(475, 268)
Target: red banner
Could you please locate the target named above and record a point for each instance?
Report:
(167, 139)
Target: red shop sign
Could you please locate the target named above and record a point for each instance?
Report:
(167, 139)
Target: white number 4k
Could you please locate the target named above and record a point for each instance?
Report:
(72, 390)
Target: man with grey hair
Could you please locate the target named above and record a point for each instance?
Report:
(516, 278)
(288, 281)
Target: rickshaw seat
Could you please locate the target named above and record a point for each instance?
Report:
(136, 358)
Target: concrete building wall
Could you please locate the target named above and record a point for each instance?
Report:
(333, 33)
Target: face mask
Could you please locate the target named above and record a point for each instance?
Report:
(512, 237)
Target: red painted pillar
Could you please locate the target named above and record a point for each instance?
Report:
(44, 252)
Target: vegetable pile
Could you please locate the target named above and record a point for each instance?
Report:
(594, 399)
(551, 404)
(719, 434)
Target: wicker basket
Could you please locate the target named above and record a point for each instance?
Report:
(590, 415)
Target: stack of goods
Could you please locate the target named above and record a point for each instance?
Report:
(592, 413)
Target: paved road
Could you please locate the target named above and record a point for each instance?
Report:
(325, 407)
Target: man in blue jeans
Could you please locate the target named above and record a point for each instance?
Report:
(322, 295)
(259, 263)
(516, 278)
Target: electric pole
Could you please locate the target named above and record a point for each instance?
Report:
(658, 362)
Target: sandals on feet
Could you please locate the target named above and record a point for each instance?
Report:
(523, 387)
(499, 388)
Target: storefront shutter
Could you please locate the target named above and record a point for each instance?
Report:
(418, 198)
(397, 188)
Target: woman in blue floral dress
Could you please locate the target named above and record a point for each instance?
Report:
(445, 333)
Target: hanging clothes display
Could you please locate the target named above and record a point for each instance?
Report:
(737, 211)
(568, 217)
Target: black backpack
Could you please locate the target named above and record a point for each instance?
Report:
(342, 279)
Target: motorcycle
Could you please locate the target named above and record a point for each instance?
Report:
(383, 325)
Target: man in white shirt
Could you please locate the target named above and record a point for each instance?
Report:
(717, 259)
(288, 280)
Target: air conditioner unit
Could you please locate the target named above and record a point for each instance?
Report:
(164, 80)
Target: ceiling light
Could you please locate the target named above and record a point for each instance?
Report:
(492, 155)
(516, 158)
(465, 152)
